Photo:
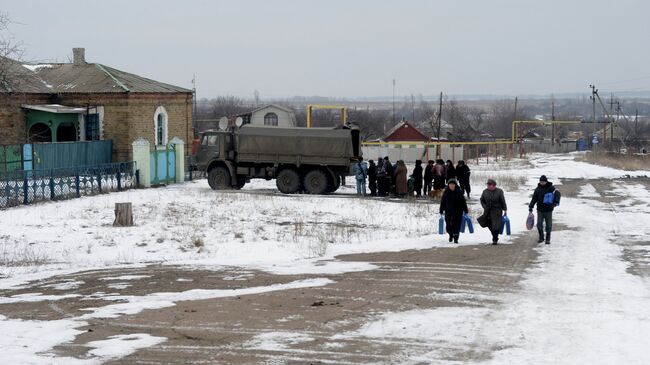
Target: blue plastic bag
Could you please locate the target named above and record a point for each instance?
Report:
(548, 198)
(505, 223)
(441, 225)
(468, 220)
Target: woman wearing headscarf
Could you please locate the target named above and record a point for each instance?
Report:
(494, 206)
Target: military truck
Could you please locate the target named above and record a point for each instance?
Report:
(310, 160)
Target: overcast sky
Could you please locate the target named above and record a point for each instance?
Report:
(351, 48)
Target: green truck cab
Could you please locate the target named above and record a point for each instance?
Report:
(310, 160)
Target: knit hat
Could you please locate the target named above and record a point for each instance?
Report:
(543, 178)
(452, 181)
(491, 182)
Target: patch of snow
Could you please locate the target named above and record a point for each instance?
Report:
(184, 280)
(276, 341)
(35, 68)
(118, 286)
(120, 346)
(35, 297)
(588, 191)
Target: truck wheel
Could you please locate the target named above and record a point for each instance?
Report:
(288, 181)
(241, 181)
(219, 178)
(316, 182)
(337, 183)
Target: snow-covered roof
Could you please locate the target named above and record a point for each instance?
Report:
(55, 108)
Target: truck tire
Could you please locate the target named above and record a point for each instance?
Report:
(219, 178)
(241, 181)
(316, 182)
(337, 183)
(288, 181)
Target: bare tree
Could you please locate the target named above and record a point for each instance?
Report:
(10, 50)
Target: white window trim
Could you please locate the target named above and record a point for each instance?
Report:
(161, 111)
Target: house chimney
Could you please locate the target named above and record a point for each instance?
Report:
(79, 56)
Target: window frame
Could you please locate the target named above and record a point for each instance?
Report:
(271, 119)
(161, 112)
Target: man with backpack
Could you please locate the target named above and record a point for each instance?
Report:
(547, 198)
(361, 173)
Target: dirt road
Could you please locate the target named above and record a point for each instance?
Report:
(289, 326)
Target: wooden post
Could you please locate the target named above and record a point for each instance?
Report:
(476, 149)
(123, 215)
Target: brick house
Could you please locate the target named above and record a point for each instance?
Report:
(82, 101)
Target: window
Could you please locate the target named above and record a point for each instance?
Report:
(160, 126)
(212, 140)
(92, 127)
(271, 119)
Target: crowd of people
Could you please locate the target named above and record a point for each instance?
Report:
(386, 179)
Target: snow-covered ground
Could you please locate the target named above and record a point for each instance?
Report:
(579, 304)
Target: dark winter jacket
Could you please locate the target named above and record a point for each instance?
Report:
(493, 203)
(451, 172)
(389, 169)
(538, 197)
(417, 176)
(462, 172)
(428, 173)
(453, 202)
(372, 172)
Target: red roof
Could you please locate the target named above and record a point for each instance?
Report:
(405, 132)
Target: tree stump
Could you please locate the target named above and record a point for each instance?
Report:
(123, 215)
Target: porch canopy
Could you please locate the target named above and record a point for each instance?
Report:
(52, 122)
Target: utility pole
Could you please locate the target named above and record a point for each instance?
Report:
(393, 101)
(413, 107)
(553, 120)
(439, 116)
(593, 104)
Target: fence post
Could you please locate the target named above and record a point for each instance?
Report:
(142, 158)
(99, 180)
(76, 182)
(51, 185)
(119, 177)
(25, 188)
(179, 148)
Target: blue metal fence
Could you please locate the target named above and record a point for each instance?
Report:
(26, 187)
(65, 154)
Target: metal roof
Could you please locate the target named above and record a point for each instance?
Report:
(58, 78)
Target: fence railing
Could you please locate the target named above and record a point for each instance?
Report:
(26, 187)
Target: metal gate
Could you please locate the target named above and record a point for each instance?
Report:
(163, 165)
(11, 158)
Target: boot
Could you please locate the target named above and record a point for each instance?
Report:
(451, 237)
(455, 238)
(541, 237)
(548, 238)
(495, 238)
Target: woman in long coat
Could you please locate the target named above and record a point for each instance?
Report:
(401, 186)
(494, 206)
(453, 205)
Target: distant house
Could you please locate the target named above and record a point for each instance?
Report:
(404, 132)
(83, 101)
(270, 115)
